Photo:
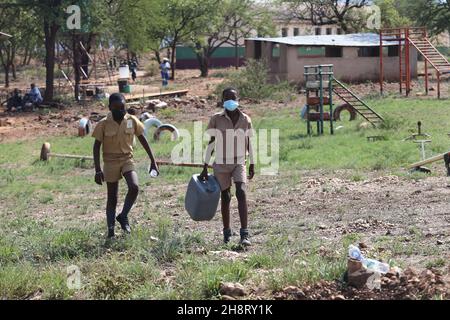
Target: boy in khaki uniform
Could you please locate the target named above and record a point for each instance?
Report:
(230, 133)
(116, 134)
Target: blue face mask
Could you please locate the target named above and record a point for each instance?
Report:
(231, 105)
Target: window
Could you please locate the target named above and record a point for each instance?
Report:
(329, 31)
(296, 32)
(284, 32)
(276, 51)
(311, 52)
(393, 51)
(339, 31)
(334, 52)
(318, 31)
(369, 52)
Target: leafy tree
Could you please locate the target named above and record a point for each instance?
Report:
(390, 15)
(324, 12)
(228, 22)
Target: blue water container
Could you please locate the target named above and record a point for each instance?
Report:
(202, 198)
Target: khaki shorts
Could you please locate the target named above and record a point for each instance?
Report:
(114, 170)
(226, 173)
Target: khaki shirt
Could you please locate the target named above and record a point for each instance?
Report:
(117, 140)
(231, 141)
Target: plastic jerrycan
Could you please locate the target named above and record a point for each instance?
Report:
(202, 198)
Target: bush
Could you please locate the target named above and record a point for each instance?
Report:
(152, 69)
(252, 83)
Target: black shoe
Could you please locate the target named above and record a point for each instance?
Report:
(227, 235)
(245, 238)
(111, 234)
(124, 223)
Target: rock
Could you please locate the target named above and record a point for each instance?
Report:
(362, 245)
(339, 297)
(232, 289)
(354, 265)
(365, 125)
(322, 227)
(439, 242)
(227, 298)
(161, 105)
(359, 278)
(291, 290)
(203, 101)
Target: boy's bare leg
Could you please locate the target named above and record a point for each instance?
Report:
(133, 191)
(241, 196)
(225, 208)
(113, 192)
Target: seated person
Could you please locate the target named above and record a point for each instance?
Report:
(35, 95)
(15, 101)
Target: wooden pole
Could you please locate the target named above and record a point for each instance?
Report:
(428, 161)
(381, 62)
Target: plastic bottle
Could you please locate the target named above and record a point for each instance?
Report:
(371, 264)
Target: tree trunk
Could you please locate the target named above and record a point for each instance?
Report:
(50, 31)
(77, 64)
(6, 69)
(14, 73)
(204, 67)
(25, 55)
(236, 48)
(158, 56)
(172, 60)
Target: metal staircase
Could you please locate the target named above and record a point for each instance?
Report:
(359, 105)
(417, 38)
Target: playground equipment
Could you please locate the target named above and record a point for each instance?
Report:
(320, 86)
(319, 82)
(369, 114)
(418, 39)
(419, 165)
(46, 155)
(419, 133)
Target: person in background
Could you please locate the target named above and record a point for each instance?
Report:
(165, 68)
(133, 69)
(15, 101)
(35, 95)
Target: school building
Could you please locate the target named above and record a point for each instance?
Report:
(356, 57)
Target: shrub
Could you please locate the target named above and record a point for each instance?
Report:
(252, 83)
(152, 69)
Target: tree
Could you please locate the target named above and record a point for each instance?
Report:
(21, 24)
(183, 19)
(434, 14)
(228, 22)
(343, 13)
(52, 15)
(390, 15)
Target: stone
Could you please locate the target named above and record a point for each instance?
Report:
(291, 290)
(354, 265)
(359, 278)
(232, 289)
